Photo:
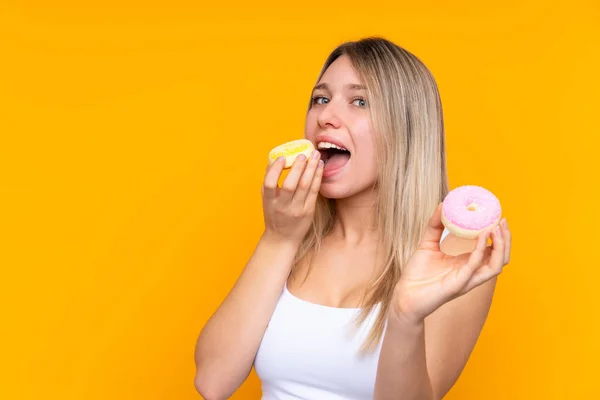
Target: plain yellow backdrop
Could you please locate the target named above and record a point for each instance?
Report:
(134, 138)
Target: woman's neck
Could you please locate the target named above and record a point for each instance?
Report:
(356, 219)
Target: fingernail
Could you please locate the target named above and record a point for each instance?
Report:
(301, 157)
(321, 163)
(315, 154)
(498, 230)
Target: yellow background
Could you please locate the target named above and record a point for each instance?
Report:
(133, 143)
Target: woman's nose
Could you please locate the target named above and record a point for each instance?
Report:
(329, 117)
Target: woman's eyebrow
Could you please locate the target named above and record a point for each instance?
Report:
(351, 86)
(356, 86)
(321, 86)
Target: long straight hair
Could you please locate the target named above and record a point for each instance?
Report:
(407, 120)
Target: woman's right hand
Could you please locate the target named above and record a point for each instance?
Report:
(289, 209)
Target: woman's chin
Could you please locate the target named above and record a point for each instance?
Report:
(339, 190)
(334, 191)
(345, 181)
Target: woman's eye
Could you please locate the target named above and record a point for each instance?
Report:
(360, 102)
(320, 100)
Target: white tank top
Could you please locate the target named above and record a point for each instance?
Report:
(311, 352)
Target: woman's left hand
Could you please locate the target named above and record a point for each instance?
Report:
(431, 278)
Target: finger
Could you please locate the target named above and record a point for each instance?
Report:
(272, 178)
(476, 258)
(466, 264)
(482, 275)
(497, 258)
(291, 181)
(507, 241)
(311, 198)
(433, 231)
(494, 266)
(306, 179)
(467, 269)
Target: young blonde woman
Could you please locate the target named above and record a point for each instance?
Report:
(355, 290)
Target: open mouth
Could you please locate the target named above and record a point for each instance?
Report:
(333, 155)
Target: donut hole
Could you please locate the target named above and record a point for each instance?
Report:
(472, 207)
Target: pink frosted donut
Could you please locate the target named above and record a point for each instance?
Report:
(468, 210)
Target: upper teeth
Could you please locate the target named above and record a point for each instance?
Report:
(327, 145)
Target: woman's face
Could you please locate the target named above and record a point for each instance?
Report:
(339, 125)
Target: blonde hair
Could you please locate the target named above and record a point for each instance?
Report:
(407, 121)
